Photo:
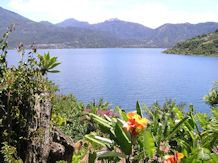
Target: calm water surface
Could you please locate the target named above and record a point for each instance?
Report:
(122, 76)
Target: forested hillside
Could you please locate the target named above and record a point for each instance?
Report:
(206, 44)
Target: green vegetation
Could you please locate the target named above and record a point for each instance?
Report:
(18, 89)
(150, 134)
(192, 135)
(206, 44)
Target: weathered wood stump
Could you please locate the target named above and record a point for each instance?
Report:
(44, 145)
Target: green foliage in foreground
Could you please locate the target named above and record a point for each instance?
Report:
(19, 86)
(212, 97)
(206, 44)
(71, 116)
(193, 135)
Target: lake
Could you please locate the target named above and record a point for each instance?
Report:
(123, 76)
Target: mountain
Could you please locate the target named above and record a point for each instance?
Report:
(164, 36)
(46, 22)
(116, 27)
(123, 29)
(111, 33)
(206, 44)
(168, 35)
(8, 17)
(72, 23)
(48, 35)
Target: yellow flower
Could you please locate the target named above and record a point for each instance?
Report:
(136, 121)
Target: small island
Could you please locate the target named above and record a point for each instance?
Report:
(206, 44)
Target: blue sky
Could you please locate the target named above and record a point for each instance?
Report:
(151, 13)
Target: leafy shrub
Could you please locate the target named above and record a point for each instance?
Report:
(19, 85)
(71, 116)
(166, 137)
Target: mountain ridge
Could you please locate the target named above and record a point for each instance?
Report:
(72, 23)
(110, 33)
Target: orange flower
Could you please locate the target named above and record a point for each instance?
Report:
(135, 122)
(175, 158)
(138, 121)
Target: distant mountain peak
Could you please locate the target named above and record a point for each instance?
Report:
(113, 19)
(71, 22)
(71, 19)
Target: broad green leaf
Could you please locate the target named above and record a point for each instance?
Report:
(103, 123)
(185, 145)
(103, 154)
(214, 157)
(138, 108)
(155, 121)
(122, 114)
(106, 140)
(121, 123)
(148, 143)
(122, 140)
(100, 120)
(47, 56)
(215, 112)
(191, 108)
(204, 154)
(52, 60)
(178, 112)
(194, 122)
(166, 125)
(91, 138)
(202, 119)
(54, 65)
(177, 127)
(92, 157)
(108, 118)
(154, 118)
(54, 71)
(159, 136)
(190, 128)
(149, 111)
(94, 110)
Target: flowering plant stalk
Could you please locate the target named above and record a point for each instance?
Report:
(123, 135)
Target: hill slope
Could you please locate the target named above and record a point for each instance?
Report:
(206, 44)
(168, 35)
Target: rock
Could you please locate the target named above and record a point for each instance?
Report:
(60, 138)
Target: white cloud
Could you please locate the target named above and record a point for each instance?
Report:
(151, 14)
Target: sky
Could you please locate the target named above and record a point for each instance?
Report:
(151, 13)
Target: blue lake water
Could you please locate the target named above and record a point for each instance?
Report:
(123, 76)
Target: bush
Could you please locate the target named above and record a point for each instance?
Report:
(19, 85)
